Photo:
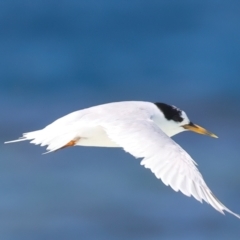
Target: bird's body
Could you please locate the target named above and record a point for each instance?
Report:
(141, 128)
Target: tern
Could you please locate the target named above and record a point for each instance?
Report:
(143, 129)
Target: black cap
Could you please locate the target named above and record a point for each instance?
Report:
(170, 112)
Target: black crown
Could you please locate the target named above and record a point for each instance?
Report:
(170, 112)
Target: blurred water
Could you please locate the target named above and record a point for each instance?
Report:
(57, 57)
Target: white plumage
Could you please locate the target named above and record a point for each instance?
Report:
(140, 128)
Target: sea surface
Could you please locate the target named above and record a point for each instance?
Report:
(60, 56)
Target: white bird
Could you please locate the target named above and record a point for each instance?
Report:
(141, 128)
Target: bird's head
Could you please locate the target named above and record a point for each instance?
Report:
(175, 121)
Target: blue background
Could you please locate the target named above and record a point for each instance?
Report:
(61, 56)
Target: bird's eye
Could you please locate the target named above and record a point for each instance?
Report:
(177, 118)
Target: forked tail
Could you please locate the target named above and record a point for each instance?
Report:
(52, 139)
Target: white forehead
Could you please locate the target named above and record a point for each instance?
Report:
(185, 118)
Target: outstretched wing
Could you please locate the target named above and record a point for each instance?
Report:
(164, 157)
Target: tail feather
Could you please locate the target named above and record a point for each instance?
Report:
(26, 136)
(52, 139)
(17, 140)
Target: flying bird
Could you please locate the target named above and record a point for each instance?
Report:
(143, 129)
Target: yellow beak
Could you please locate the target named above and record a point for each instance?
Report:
(198, 129)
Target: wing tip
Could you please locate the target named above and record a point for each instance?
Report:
(231, 212)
